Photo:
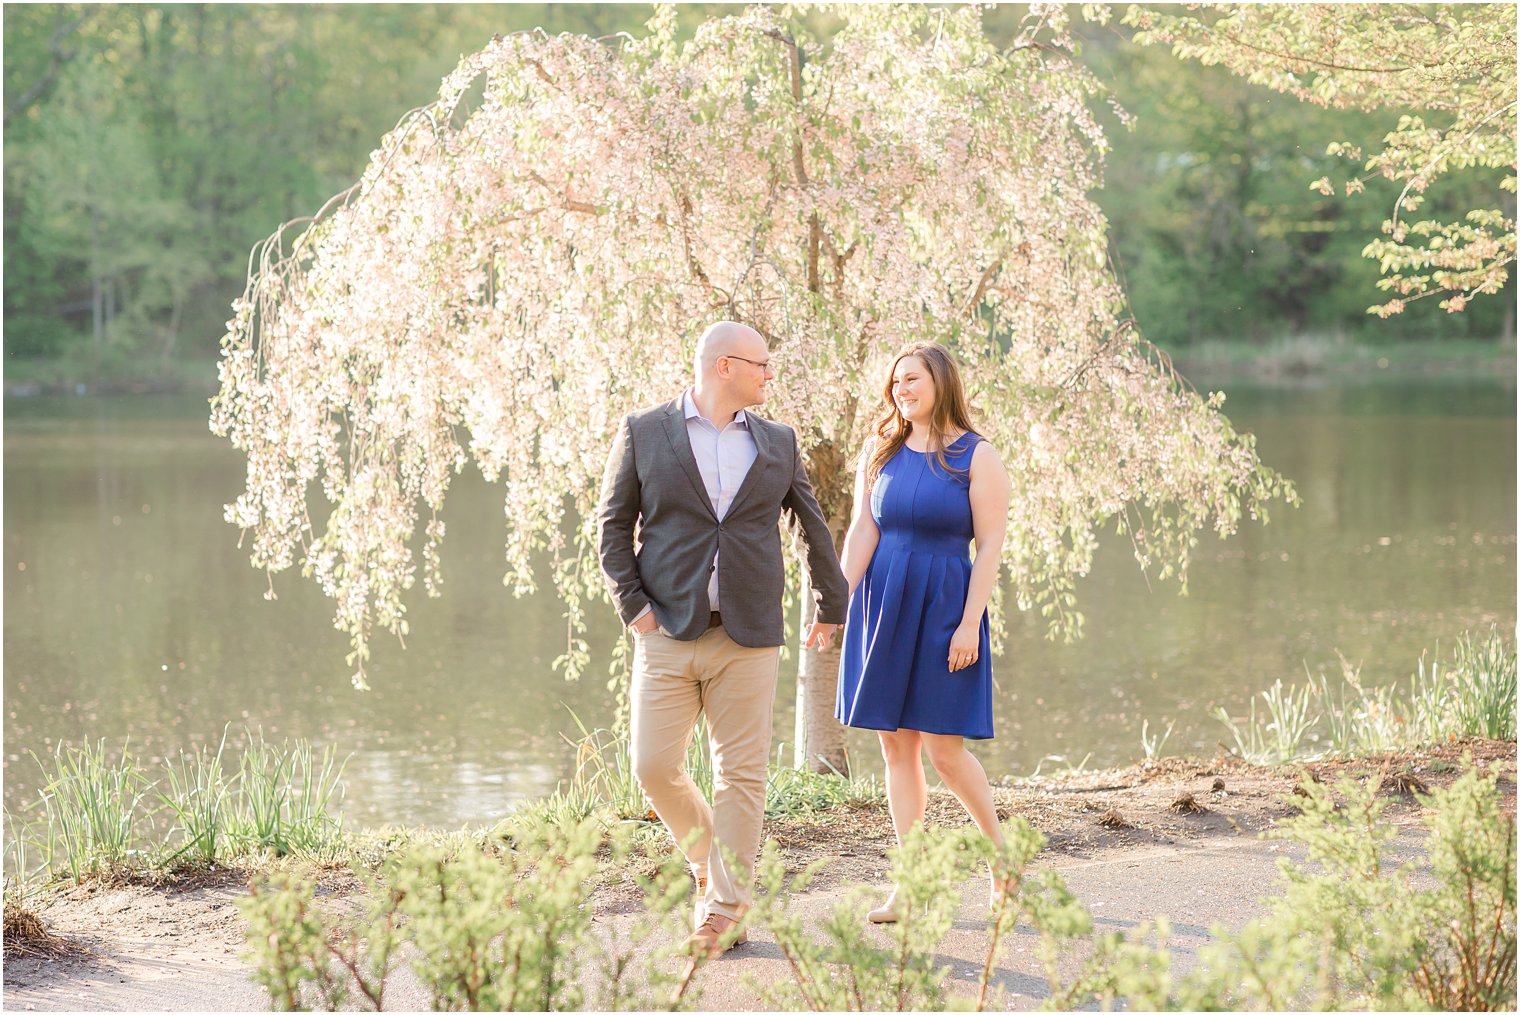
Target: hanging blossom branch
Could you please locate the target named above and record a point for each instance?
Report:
(500, 288)
(1455, 61)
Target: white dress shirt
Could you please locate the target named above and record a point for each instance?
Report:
(724, 458)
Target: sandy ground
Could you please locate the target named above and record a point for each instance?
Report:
(177, 947)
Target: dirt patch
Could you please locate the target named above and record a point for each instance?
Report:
(1073, 810)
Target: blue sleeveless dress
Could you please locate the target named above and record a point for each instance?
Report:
(894, 670)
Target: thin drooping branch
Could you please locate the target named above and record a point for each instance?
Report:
(1435, 160)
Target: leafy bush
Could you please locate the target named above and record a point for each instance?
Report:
(511, 927)
(506, 931)
(1356, 933)
(842, 966)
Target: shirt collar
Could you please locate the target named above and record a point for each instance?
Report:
(689, 404)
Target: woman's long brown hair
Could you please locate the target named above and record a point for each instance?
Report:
(950, 410)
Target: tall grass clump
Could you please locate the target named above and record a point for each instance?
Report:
(101, 814)
(286, 798)
(93, 803)
(603, 782)
(1152, 746)
(196, 791)
(1472, 694)
(24, 931)
(604, 769)
(791, 792)
(1280, 732)
(1481, 687)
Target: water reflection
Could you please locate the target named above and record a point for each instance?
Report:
(130, 609)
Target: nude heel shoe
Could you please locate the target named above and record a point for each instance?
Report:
(999, 890)
(886, 913)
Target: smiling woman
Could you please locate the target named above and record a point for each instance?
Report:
(917, 664)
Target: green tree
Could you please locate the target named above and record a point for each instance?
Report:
(104, 204)
(1448, 70)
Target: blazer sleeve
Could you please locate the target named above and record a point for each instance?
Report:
(831, 593)
(617, 514)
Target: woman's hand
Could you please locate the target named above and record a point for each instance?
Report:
(965, 646)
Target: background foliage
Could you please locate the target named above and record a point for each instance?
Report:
(148, 147)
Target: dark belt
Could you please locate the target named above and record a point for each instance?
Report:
(714, 619)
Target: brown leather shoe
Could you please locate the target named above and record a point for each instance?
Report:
(715, 936)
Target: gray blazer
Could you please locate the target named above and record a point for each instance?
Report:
(652, 486)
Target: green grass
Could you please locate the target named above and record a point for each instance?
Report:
(286, 799)
(1482, 674)
(603, 783)
(94, 805)
(197, 794)
(797, 792)
(106, 814)
(1472, 694)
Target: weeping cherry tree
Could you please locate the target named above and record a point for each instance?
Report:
(533, 255)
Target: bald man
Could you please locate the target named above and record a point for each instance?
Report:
(691, 548)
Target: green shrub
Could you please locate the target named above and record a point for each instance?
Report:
(1350, 931)
(505, 931)
(845, 965)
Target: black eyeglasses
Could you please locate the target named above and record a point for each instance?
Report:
(763, 366)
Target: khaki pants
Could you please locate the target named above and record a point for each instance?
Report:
(673, 683)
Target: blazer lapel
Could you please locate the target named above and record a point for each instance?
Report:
(763, 452)
(675, 429)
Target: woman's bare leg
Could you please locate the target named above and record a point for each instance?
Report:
(965, 777)
(907, 793)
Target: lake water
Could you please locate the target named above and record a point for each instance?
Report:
(130, 612)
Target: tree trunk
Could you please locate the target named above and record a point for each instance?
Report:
(820, 739)
(97, 306)
(171, 333)
(97, 289)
